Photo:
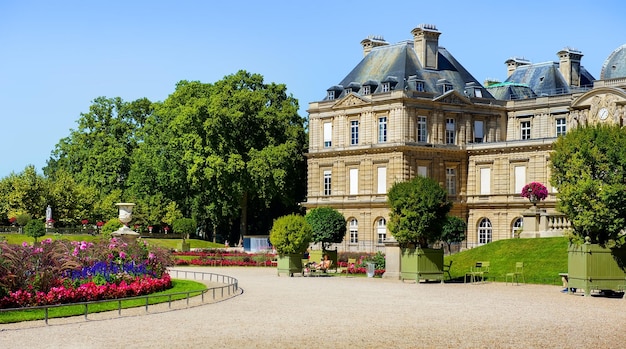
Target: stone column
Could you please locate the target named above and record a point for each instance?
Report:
(392, 259)
(530, 228)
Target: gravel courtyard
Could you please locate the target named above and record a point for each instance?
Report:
(339, 312)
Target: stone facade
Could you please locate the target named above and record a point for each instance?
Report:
(388, 122)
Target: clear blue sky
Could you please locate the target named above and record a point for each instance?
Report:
(56, 57)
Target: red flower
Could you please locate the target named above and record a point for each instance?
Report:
(12, 220)
(84, 221)
(100, 224)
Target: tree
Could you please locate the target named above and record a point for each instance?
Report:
(453, 230)
(185, 227)
(35, 229)
(223, 150)
(589, 172)
(99, 152)
(25, 193)
(328, 224)
(290, 234)
(418, 211)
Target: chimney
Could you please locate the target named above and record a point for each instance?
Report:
(371, 42)
(513, 63)
(426, 44)
(569, 65)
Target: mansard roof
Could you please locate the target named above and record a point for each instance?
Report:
(510, 91)
(545, 79)
(399, 63)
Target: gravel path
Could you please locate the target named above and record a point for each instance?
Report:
(297, 312)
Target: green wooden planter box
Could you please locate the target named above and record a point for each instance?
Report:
(592, 267)
(289, 264)
(421, 264)
(183, 246)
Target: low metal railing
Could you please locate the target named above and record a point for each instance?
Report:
(228, 290)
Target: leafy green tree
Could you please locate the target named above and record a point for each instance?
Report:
(223, 150)
(25, 193)
(98, 152)
(71, 201)
(589, 173)
(185, 227)
(418, 211)
(453, 231)
(35, 229)
(22, 219)
(328, 224)
(291, 234)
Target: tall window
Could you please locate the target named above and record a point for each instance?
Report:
(484, 231)
(479, 133)
(354, 132)
(381, 230)
(451, 180)
(354, 181)
(525, 128)
(419, 86)
(561, 127)
(517, 227)
(520, 178)
(382, 129)
(450, 131)
(422, 132)
(382, 180)
(485, 181)
(422, 171)
(328, 134)
(354, 231)
(327, 182)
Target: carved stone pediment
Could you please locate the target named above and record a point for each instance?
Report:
(350, 100)
(599, 106)
(453, 97)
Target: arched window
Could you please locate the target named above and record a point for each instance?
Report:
(518, 223)
(354, 231)
(484, 231)
(381, 230)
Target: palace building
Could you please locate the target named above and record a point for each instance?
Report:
(411, 108)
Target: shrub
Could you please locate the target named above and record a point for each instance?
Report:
(35, 229)
(291, 234)
(111, 226)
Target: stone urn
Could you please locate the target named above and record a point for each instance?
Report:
(125, 216)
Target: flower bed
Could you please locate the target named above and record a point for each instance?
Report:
(56, 272)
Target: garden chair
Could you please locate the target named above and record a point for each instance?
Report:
(519, 272)
(446, 269)
(350, 264)
(477, 272)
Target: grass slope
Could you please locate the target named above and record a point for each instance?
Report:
(544, 259)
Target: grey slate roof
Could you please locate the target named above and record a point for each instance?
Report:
(615, 65)
(545, 79)
(511, 91)
(399, 64)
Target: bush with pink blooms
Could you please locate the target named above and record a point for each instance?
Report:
(60, 271)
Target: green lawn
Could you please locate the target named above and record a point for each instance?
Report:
(544, 259)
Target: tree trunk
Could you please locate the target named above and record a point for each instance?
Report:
(243, 224)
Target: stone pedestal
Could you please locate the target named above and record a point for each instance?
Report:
(392, 259)
(531, 226)
(125, 214)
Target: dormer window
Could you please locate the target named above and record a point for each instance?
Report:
(366, 90)
(419, 86)
(331, 95)
(385, 87)
(334, 92)
(348, 91)
(447, 87)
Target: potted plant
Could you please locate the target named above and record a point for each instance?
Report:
(329, 226)
(290, 236)
(419, 208)
(535, 192)
(589, 171)
(185, 227)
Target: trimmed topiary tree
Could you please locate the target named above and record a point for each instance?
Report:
(418, 211)
(184, 226)
(291, 234)
(35, 229)
(328, 225)
(589, 173)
